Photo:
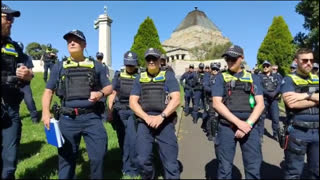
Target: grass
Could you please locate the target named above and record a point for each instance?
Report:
(39, 160)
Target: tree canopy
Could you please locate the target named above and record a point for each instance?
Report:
(277, 47)
(146, 37)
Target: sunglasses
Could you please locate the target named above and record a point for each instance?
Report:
(229, 58)
(305, 61)
(8, 17)
(266, 66)
(274, 69)
(151, 59)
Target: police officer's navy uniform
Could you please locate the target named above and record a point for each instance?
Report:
(73, 81)
(49, 61)
(198, 95)
(189, 79)
(235, 89)
(303, 129)
(11, 97)
(153, 93)
(122, 83)
(271, 89)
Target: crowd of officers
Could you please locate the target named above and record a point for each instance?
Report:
(142, 107)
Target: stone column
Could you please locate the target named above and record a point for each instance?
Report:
(103, 23)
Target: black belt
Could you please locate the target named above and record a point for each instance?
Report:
(308, 125)
(76, 111)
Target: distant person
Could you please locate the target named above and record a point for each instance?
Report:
(293, 67)
(275, 71)
(99, 56)
(80, 83)
(198, 94)
(28, 98)
(315, 69)
(163, 63)
(301, 97)
(187, 82)
(49, 58)
(238, 99)
(207, 69)
(15, 73)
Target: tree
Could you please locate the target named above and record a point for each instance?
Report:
(35, 50)
(146, 37)
(277, 47)
(310, 10)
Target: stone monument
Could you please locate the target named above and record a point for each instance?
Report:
(103, 23)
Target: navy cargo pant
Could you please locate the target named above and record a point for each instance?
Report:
(188, 95)
(166, 139)
(47, 66)
(90, 127)
(301, 142)
(28, 99)
(198, 97)
(129, 166)
(271, 110)
(10, 138)
(225, 147)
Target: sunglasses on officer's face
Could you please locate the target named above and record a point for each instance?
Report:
(9, 17)
(305, 61)
(266, 66)
(153, 59)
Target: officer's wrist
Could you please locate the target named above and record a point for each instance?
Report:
(101, 93)
(250, 122)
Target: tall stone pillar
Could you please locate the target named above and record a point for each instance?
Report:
(103, 23)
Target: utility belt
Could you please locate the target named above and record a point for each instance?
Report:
(98, 108)
(306, 125)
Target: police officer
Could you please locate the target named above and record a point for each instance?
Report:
(211, 121)
(271, 89)
(198, 95)
(28, 98)
(80, 83)
(207, 69)
(122, 85)
(293, 67)
(15, 72)
(315, 69)
(301, 96)
(154, 99)
(99, 56)
(163, 63)
(188, 86)
(49, 58)
(237, 98)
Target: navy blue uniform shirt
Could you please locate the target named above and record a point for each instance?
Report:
(218, 89)
(54, 78)
(171, 85)
(288, 85)
(189, 78)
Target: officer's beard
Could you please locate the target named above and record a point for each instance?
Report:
(5, 31)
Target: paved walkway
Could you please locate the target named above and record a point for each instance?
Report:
(198, 158)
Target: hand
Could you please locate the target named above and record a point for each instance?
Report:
(24, 73)
(46, 119)
(156, 121)
(148, 120)
(95, 96)
(293, 97)
(239, 134)
(243, 126)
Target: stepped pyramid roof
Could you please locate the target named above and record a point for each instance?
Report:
(196, 17)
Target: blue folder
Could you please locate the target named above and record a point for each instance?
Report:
(54, 136)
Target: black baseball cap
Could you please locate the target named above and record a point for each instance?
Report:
(76, 33)
(233, 51)
(7, 10)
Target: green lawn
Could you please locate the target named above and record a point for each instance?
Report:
(37, 159)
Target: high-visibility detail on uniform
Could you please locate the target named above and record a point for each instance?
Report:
(227, 77)
(159, 78)
(86, 63)
(125, 75)
(9, 49)
(304, 86)
(313, 79)
(153, 95)
(49, 51)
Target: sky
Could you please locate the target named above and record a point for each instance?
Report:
(245, 23)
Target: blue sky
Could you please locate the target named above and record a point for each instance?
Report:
(245, 23)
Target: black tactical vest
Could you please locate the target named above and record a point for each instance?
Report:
(153, 94)
(126, 84)
(237, 92)
(77, 80)
(270, 83)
